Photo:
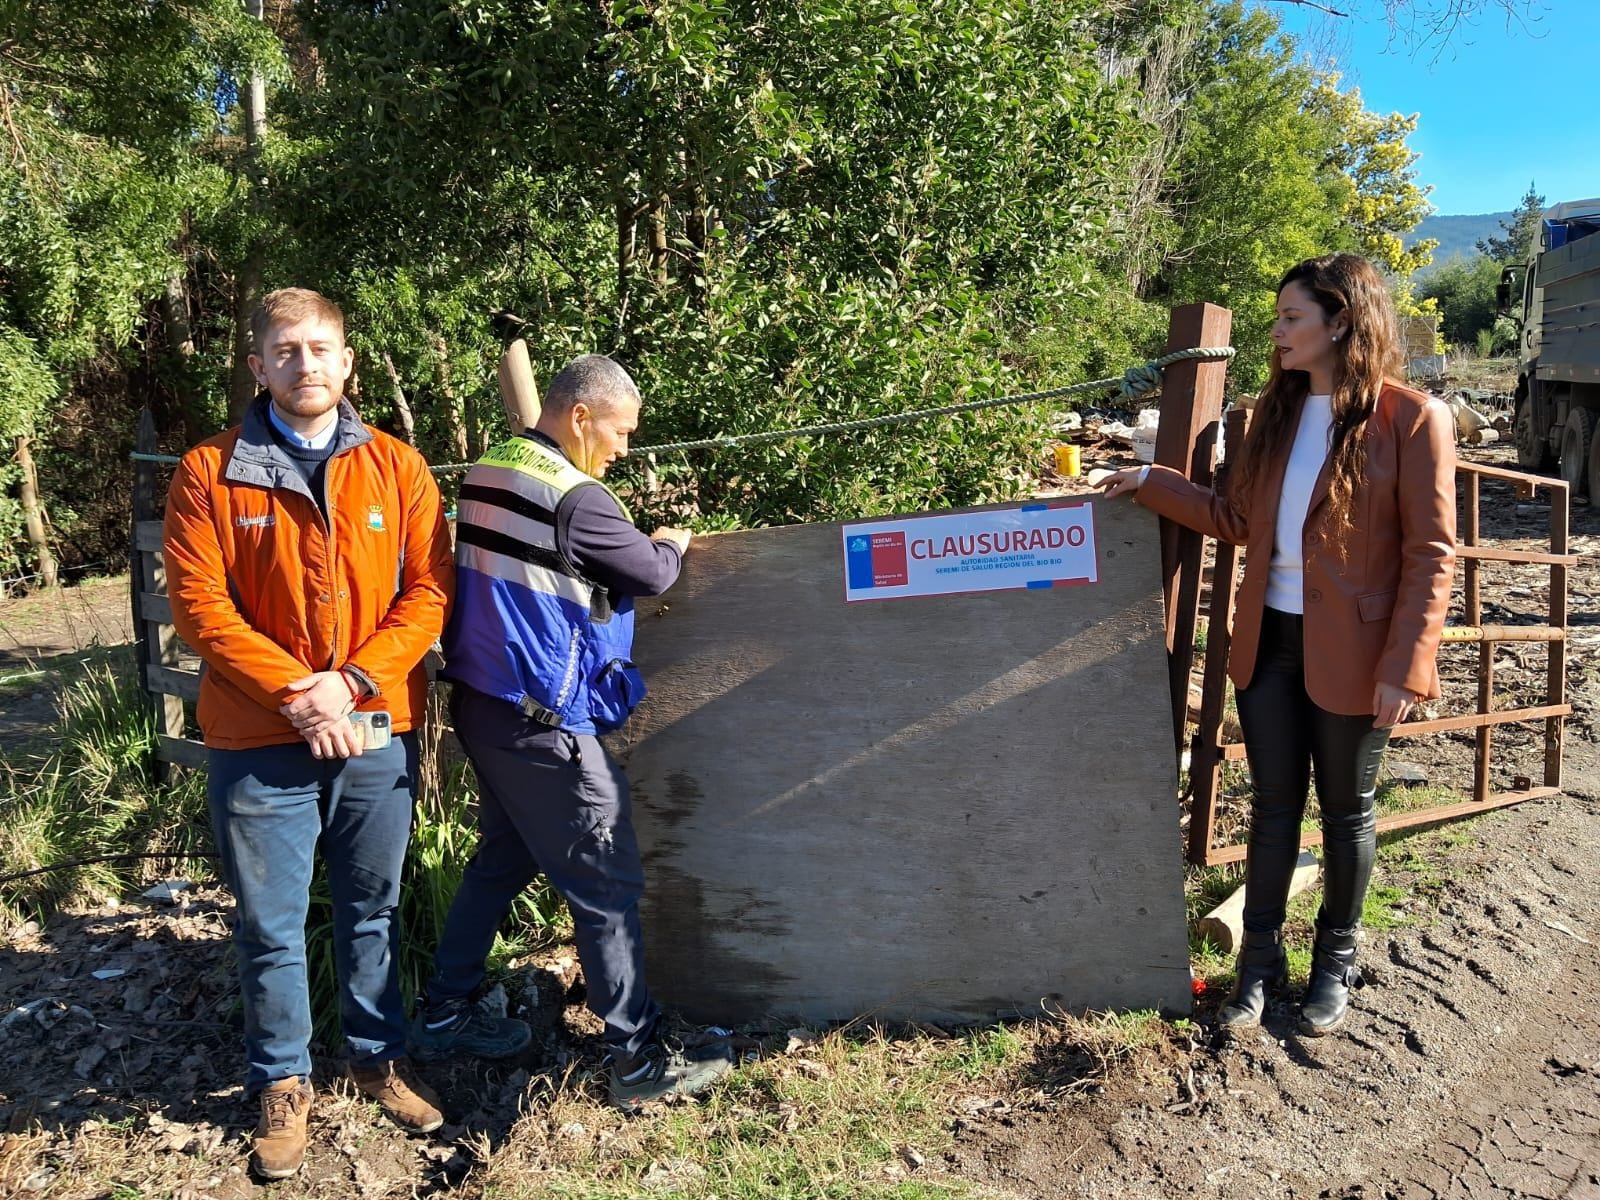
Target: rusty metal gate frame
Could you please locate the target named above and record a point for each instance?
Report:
(1209, 752)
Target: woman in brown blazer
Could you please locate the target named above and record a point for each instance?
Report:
(1344, 497)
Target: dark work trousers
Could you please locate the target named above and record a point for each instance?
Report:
(551, 801)
(1286, 735)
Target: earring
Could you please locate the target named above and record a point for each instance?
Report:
(1336, 337)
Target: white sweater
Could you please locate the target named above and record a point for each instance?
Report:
(1286, 580)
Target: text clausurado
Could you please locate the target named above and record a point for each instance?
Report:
(1000, 541)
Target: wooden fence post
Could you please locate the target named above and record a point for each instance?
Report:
(1186, 440)
(147, 581)
(518, 391)
(1205, 759)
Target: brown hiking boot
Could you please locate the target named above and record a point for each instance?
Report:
(280, 1142)
(394, 1085)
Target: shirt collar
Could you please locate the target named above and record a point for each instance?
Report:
(320, 442)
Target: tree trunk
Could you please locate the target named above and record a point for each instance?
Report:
(246, 294)
(454, 429)
(698, 232)
(255, 95)
(33, 515)
(627, 242)
(658, 239)
(180, 343)
(247, 282)
(402, 410)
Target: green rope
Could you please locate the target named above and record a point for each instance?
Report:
(1130, 385)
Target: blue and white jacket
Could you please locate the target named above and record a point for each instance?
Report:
(540, 622)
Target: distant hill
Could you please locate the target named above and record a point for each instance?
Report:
(1458, 235)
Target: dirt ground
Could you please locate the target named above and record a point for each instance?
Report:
(1470, 1068)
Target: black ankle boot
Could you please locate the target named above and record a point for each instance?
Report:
(1333, 975)
(1263, 968)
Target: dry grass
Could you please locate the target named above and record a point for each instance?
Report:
(1481, 374)
(863, 1115)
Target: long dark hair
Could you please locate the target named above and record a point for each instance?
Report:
(1368, 355)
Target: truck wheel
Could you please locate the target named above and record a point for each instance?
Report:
(1577, 436)
(1594, 470)
(1533, 447)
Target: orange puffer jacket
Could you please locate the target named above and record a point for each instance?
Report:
(266, 595)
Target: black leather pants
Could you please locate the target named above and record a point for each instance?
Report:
(1286, 735)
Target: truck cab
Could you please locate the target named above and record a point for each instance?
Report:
(1558, 355)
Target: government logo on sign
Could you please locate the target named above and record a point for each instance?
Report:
(875, 560)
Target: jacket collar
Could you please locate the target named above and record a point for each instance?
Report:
(1381, 411)
(257, 458)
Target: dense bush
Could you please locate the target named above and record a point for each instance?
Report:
(772, 215)
(1465, 291)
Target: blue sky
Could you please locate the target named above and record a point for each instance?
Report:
(1501, 104)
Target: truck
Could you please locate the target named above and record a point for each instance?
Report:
(1557, 401)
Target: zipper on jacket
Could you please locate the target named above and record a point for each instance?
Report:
(333, 559)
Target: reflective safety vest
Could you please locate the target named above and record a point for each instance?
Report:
(527, 627)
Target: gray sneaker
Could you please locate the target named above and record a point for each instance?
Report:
(660, 1070)
(461, 1027)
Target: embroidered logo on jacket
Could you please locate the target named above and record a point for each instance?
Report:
(375, 517)
(248, 522)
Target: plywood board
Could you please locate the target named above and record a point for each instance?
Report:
(946, 808)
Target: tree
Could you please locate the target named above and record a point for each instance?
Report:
(772, 214)
(1381, 201)
(1522, 231)
(1465, 291)
(1273, 164)
(104, 105)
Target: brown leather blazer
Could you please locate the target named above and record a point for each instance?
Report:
(1376, 615)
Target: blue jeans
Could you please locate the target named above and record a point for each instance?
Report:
(270, 809)
(553, 801)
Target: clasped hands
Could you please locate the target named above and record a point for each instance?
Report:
(321, 714)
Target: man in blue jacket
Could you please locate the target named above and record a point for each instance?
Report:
(538, 654)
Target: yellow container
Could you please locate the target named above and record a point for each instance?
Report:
(1069, 461)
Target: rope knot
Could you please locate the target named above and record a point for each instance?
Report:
(1139, 381)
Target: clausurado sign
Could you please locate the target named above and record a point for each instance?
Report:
(1029, 546)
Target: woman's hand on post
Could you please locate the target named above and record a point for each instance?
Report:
(1391, 704)
(1122, 482)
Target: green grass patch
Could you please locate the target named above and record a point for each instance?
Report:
(1385, 907)
(87, 796)
(843, 1118)
(983, 1052)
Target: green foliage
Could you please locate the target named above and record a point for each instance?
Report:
(113, 115)
(88, 796)
(1522, 231)
(27, 385)
(1252, 191)
(1274, 163)
(1380, 201)
(1465, 291)
(772, 216)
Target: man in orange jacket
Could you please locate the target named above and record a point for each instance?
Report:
(310, 567)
